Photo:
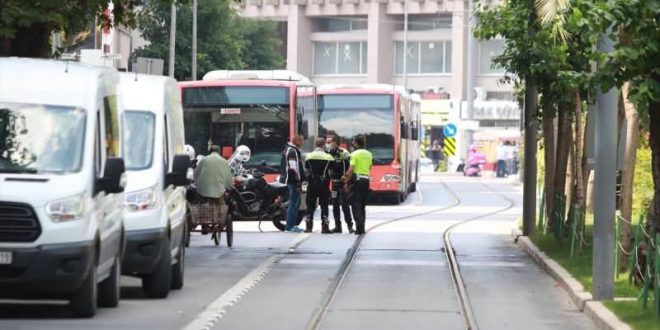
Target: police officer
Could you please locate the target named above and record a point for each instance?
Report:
(358, 175)
(339, 196)
(317, 164)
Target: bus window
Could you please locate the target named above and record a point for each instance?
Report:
(369, 114)
(229, 116)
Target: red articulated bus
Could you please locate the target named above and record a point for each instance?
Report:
(389, 118)
(259, 109)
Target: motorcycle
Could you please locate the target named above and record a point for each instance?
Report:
(252, 198)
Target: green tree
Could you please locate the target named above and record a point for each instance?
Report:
(224, 40)
(26, 26)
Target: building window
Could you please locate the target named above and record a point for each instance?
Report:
(426, 23)
(489, 50)
(332, 58)
(342, 24)
(424, 57)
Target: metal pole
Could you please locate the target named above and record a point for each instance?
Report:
(405, 44)
(605, 186)
(172, 39)
(194, 41)
(96, 37)
(471, 60)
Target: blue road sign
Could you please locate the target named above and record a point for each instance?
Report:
(450, 130)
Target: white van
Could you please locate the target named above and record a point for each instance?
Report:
(61, 183)
(158, 171)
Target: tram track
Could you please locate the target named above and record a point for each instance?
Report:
(465, 308)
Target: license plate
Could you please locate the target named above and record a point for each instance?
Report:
(5, 258)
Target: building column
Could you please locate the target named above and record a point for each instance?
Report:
(299, 49)
(459, 33)
(380, 66)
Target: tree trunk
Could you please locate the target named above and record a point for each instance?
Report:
(31, 41)
(628, 173)
(548, 127)
(563, 147)
(570, 179)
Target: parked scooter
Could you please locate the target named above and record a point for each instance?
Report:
(252, 198)
(475, 160)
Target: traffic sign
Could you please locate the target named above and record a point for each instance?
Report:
(449, 146)
(450, 130)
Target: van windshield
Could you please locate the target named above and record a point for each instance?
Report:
(38, 138)
(139, 129)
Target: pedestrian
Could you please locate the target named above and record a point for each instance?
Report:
(317, 164)
(338, 195)
(358, 176)
(292, 174)
(436, 155)
(212, 178)
(502, 158)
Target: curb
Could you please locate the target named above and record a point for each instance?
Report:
(595, 310)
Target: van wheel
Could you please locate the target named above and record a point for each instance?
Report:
(83, 302)
(109, 291)
(158, 283)
(178, 269)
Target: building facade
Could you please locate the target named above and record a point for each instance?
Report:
(360, 41)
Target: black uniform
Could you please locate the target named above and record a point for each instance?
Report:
(317, 164)
(338, 195)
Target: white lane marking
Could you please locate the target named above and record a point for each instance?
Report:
(218, 308)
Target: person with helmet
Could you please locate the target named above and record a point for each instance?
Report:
(190, 151)
(358, 175)
(240, 156)
(317, 164)
(338, 196)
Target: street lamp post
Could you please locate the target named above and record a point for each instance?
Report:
(405, 44)
(172, 39)
(605, 186)
(194, 41)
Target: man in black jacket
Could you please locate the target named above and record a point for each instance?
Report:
(338, 195)
(291, 173)
(317, 164)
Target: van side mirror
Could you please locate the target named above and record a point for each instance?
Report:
(179, 175)
(114, 177)
(415, 134)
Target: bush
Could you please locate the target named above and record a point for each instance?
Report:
(643, 185)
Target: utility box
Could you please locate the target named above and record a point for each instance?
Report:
(152, 66)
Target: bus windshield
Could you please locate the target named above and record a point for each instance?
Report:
(372, 115)
(257, 117)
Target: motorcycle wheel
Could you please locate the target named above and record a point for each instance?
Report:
(281, 223)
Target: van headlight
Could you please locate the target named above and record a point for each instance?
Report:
(389, 178)
(140, 200)
(66, 209)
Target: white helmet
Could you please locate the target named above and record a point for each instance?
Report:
(242, 154)
(190, 151)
